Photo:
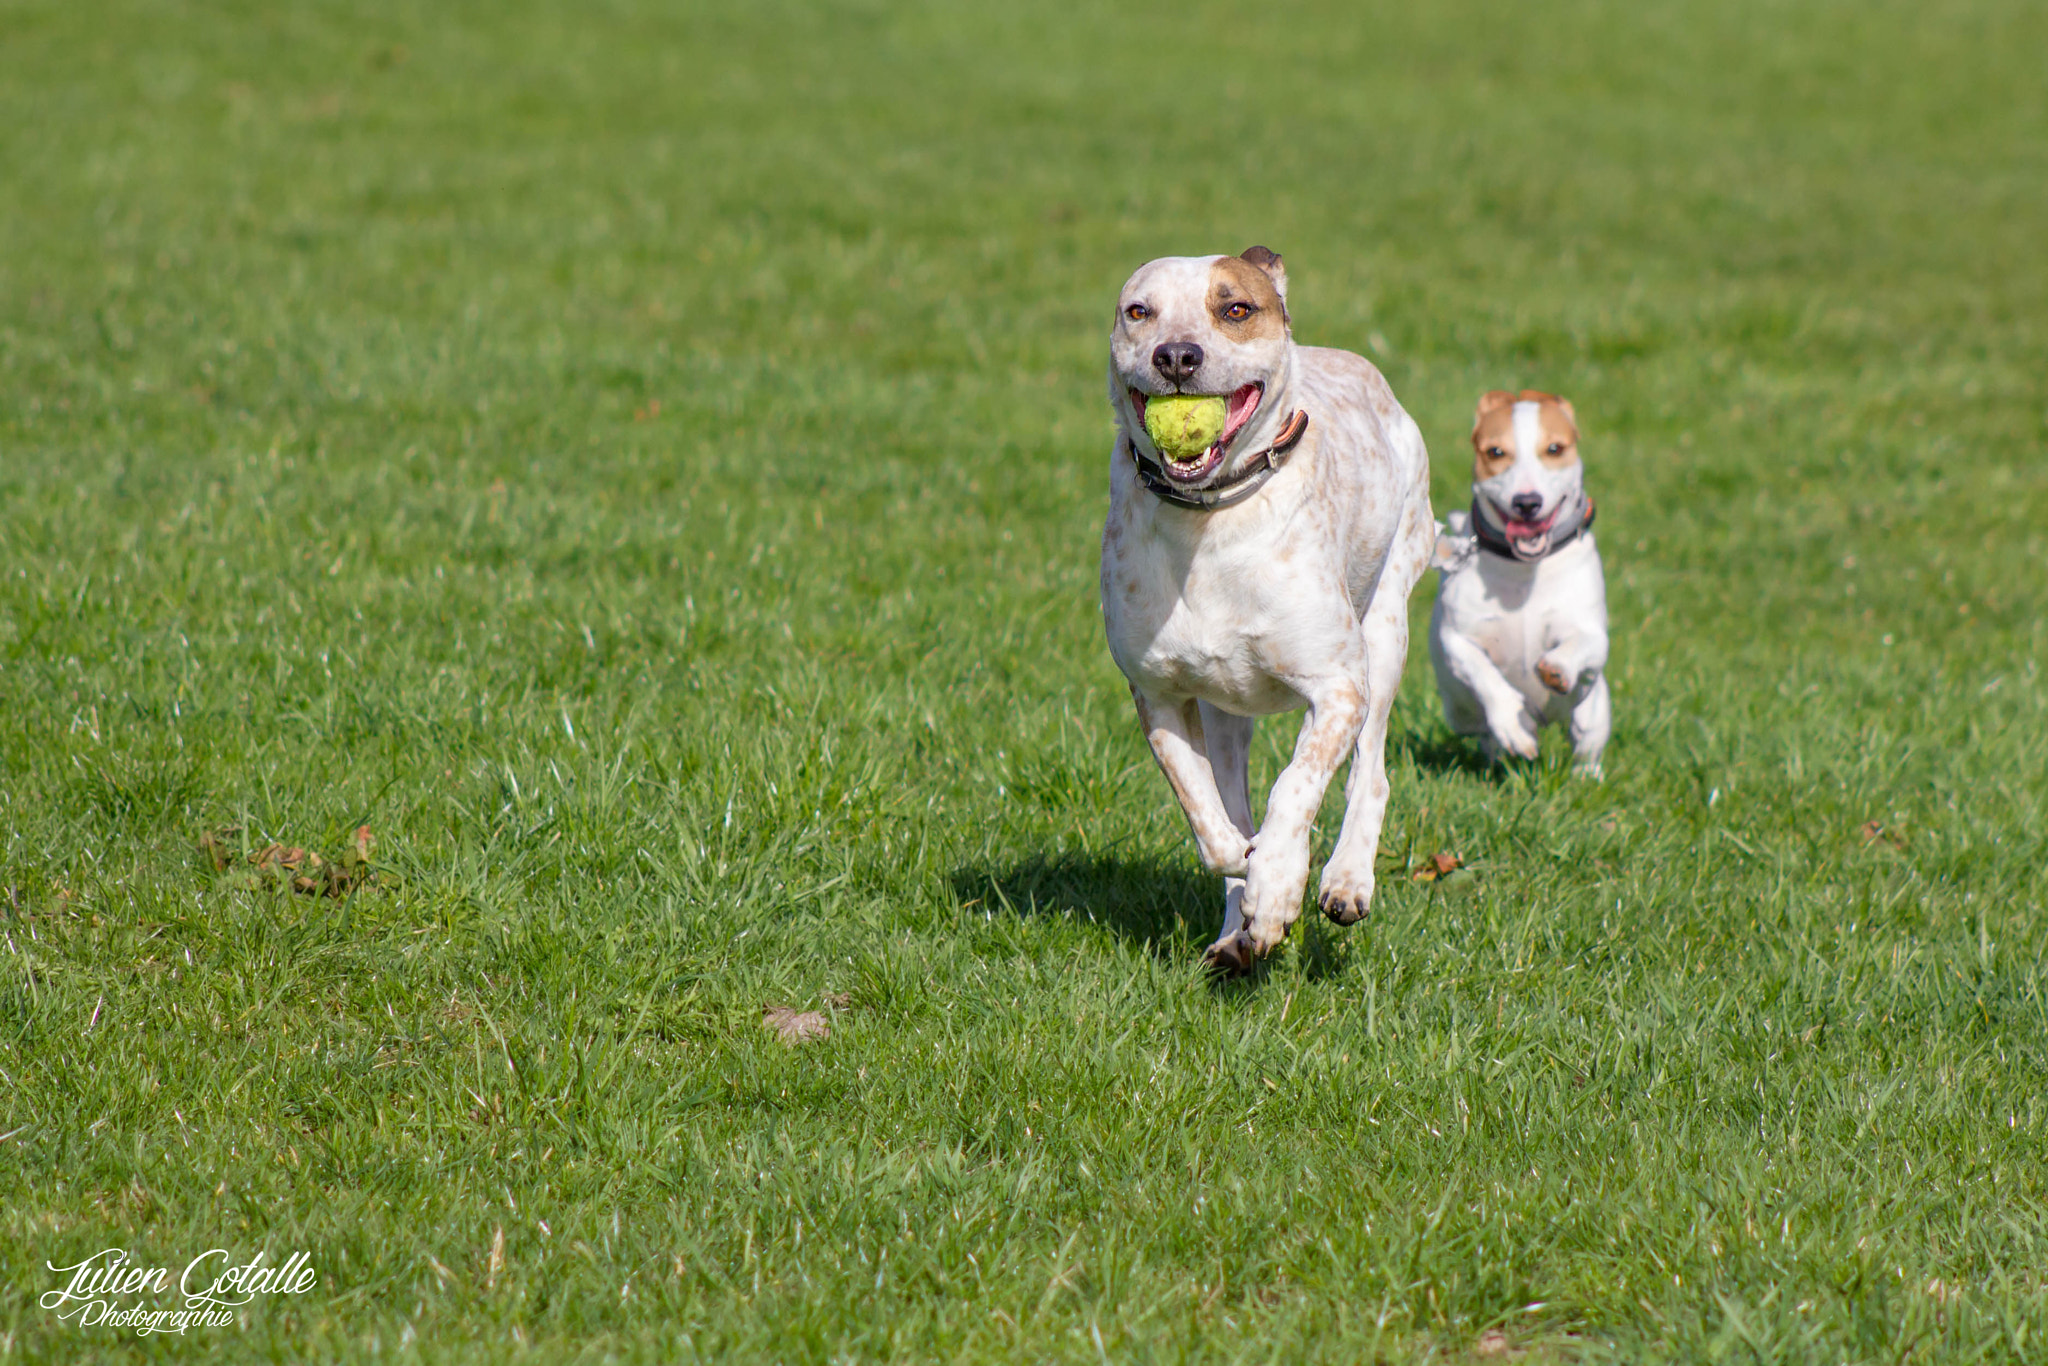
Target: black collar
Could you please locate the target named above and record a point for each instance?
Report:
(1248, 481)
(1494, 541)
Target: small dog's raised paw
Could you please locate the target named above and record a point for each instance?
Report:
(1553, 675)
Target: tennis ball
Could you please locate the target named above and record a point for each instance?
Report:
(1182, 426)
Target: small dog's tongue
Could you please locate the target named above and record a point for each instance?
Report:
(1529, 539)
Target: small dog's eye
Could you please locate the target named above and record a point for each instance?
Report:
(1137, 313)
(1496, 453)
(1238, 312)
(1556, 448)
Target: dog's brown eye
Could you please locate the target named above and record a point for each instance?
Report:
(1496, 453)
(1238, 312)
(1137, 313)
(1556, 448)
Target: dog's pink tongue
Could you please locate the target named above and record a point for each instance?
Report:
(1242, 404)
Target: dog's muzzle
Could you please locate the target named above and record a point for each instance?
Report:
(1240, 403)
(1525, 541)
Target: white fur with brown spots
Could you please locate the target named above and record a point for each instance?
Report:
(1298, 596)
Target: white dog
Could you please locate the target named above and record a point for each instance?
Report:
(1519, 634)
(1270, 571)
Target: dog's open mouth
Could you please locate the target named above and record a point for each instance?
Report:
(1241, 404)
(1529, 540)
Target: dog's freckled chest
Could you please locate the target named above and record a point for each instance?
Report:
(1210, 626)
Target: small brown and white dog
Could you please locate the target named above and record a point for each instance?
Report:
(1266, 573)
(1519, 634)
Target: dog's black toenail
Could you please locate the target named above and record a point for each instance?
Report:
(1344, 910)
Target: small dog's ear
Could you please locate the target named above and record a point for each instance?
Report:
(1270, 262)
(1492, 401)
(1565, 406)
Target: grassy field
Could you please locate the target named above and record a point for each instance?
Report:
(645, 463)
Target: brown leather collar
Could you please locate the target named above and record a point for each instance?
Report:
(1247, 482)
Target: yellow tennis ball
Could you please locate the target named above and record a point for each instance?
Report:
(1182, 426)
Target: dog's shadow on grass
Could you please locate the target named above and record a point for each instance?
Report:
(1445, 755)
(1171, 909)
(1169, 906)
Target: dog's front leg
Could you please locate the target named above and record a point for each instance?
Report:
(1507, 720)
(1591, 721)
(1278, 868)
(1346, 894)
(1174, 731)
(1228, 739)
(1571, 667)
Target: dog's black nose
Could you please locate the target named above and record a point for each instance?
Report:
(1526, 505)
(1177, 360)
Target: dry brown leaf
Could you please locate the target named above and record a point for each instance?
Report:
(792, 1026)
(302, 870)
(1436, 866)
(275, 856)
(1874, 832)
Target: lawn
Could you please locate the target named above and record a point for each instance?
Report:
(645, 463)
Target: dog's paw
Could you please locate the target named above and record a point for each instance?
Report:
(1512, 736)
(1555, 675)
(1230, 956)
(1272, 893)
(1344, 908)
(1346, 900)
(1264, 935)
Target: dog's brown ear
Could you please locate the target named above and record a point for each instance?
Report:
(1270, 262)
(1490, 402)
(1565, 406)
(1494, 400)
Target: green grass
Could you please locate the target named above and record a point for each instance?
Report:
(646, 463)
